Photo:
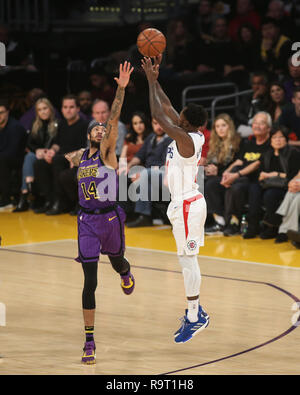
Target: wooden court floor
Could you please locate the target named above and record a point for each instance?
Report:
(254, 310)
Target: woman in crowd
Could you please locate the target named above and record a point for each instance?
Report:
(276, 100)
(139, 129)
(43, 130)
(278, 166)
(223, 145)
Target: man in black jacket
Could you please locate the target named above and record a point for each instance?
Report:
(12, 145)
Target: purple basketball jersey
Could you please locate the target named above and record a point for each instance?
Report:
(97, 184)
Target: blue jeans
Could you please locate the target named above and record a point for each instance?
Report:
(28, 171)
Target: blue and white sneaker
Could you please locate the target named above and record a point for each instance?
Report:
(189, 329)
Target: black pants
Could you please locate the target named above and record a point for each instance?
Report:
(214, 194)
(47, 177)
(10, 177)
(272, 198)
(69, 189)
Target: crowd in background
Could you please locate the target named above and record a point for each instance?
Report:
(251, 156)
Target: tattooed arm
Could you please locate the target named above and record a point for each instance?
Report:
(74, 157)
(109, 141)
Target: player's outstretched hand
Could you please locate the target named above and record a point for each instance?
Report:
(124, 74)
(151, 71)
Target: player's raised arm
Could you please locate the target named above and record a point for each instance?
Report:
(110, 138)
(184, 141)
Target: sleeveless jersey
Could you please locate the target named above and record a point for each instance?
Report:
(182, 172)
(97, 184)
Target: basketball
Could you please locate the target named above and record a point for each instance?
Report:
(151, 42)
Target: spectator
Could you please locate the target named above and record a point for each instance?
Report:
(276, 100)
(290, 118)
(247, 49)
(152, 154)
(28, 118)
(293, 81)
(49, 172)
(181, 49)
(223, 146)
(85, 104)
(139, 130)
(277, 12)
(204, 18)
(275, 48)
(245, 13)
(39, 142)
(278, 166)
(241, 179)
(289, 210)
(101, 112)
(252, 103)
(101, 88)
(12, 146)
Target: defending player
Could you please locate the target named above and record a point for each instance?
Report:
(100, 219)
(187, 209)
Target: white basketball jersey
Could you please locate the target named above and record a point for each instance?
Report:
(182, 172)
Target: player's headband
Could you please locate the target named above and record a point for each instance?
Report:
(94, 123)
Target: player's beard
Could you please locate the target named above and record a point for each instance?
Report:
(95, 144)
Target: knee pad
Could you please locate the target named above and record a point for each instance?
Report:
(90, 284)
(191, 274)
(119, 263)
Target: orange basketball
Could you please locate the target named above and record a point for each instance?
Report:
(151, 42)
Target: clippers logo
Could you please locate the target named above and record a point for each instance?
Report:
(2, 54)
(192, 245)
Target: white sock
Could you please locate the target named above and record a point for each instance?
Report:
(193, 308)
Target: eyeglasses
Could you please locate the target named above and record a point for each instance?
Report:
(3, 112)
(277, 137)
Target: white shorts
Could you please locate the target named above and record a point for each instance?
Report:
(188, 218)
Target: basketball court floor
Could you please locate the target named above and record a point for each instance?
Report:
(250, 289)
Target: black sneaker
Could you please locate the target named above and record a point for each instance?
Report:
(281, 238)
(231, 230)
(251, 232)
(215, 229)
(269, 233)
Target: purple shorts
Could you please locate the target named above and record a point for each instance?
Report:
(100, 233)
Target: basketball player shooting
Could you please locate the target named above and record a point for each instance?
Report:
(187, 209)
(100, 219)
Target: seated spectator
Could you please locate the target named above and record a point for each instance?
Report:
(293, 79)
(29, 116)
(202, 18)
(245, 13)
(247, 49)
(276, 100)
(223, 145)
(139, 130)
(241, 179)
(53, 173)
(39, 142)
(101, 113)
(101, 88)
(85, 104)
(276, 11)
(290, 118)
(289, 210)
(12, 145)
(181, 49)
(275, 47)
(152, 154)
(251, 104)
(278, 166)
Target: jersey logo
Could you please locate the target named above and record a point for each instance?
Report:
(110, 219)
(192, 245)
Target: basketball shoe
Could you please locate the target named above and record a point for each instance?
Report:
(189, 329)
(127, 283)
(89, 353)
